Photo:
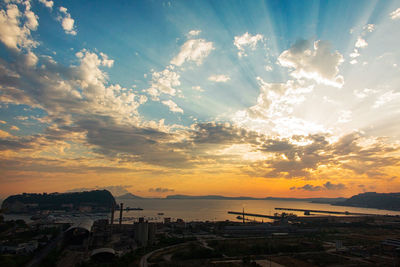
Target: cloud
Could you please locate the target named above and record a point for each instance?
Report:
(369, 27)
(221, 78)
(16, 27)
(395, 14)
(193, 50)
(247, 41)
(172, 106)
(327, 186)
(194, 33)
(273, 112)
(67, 22)
(361, 43)
(317, 63)
(386, 98)
(160, 190)
(4, 134)
(198, 88)
(47, 3)
(115, 190)
(344, 116)
(31, 20)
(14, 128)
(309, 187)
(3, 122)
(366, 92)
(163, 82)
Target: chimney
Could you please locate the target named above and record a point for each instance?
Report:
(112, 214)
(121, 208)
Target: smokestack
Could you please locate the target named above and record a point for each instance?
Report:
(112, 213)
(121, 208)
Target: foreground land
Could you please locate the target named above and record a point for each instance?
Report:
(303, 241)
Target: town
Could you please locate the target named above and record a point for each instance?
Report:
(283, 239)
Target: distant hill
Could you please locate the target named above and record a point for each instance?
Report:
(315, 200)
(206, 197)
(129, 196)
(89, 201)
(386, 201)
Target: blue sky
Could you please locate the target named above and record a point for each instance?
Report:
(200, 88)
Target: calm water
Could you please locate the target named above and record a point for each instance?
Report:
(216, 210)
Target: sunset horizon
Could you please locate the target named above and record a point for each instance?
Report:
(295, 99)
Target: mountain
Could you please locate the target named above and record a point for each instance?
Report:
(129, 196)
(88, 201)
(207, 197)
(386, 201)
(218, 197)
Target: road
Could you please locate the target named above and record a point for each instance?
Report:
(40, 255)
(143, 260)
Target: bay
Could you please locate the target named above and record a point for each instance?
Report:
(217, 210)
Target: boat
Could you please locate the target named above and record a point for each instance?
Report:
(160, 213)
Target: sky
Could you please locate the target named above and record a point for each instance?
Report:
(236, 98)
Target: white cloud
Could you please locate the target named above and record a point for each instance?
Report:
(395, 14)
(48, 4)
(317, 63)
(14, 33)
(31, 20)
(172, 106)
(66, 21)
(386, 98)
(361, 43)
(364, 93)
(164, 82)
(355, 54)
(273, 113)
(247, 41)
(219, 78)
(268, 68)
(194, 33)
(369, 27)
(354, 61)
(344, 116)
(198, 88)
(31, 59)
(193, 50)
(105, 61)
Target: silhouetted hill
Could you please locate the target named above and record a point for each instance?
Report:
(129, 196)
(96, 200)
(386, 201)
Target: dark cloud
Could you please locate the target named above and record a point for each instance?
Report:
(327, 186)
(161, 190)
(330, 186)
(84, 108)
(309, 187)
(115, 190)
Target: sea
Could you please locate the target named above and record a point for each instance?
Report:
(217, 210)
(191, 210)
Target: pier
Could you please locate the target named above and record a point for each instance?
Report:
(308, 212)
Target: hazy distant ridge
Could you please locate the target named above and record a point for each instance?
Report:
(316, 200)
(387, 201)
